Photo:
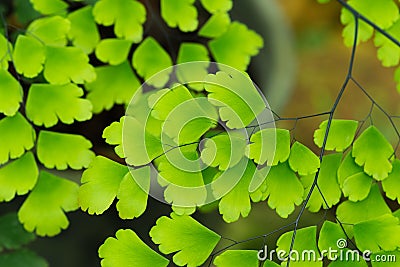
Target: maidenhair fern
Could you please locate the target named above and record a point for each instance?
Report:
(196, 132)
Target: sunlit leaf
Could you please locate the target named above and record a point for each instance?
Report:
(305, 243)
(270, 146)
(100, 184)
(180, 13)
(65, 64)
(150, 58)
(329, 235)
(192, 241)
(284, 201)
(234, 93)
(127, 16)
(372, 150)
(127, 249)
(215, 26)
(303, 160)
(44, 209)
(16, 136)
(236, 202)
(237, 258)
(10, 93)
(214, 6)
(114, 84)
(386, 238)
(133, 193)
(51, 30)
(185, 118)
(224, 150)
(347, 168)
(113, 51)
(383, 13)
(5, 52)
(357, 186)
(327, 183)
(182, 177)
(192, 74)
(238, 40)
(83, 32)
(349, 212)
(391, 185)
(18, 177)
(340, 137)
(60, 150)
(48, 7)
(29, 56)
(113, 136)
(47, 103)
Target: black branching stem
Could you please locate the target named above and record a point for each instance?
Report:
(328, 126)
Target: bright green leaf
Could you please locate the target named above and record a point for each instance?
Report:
(47, 7)
(239, 41)
(114, 84)
(281, 176)
(65, 64)
(224, 150)
(100, 184)
(50, 30)
(60, 150)
(391, 185)
(16, 136)
(340, 137)
(5, 52)
(382, 233)
(388, 52)
(237, 200)
(192, 241)
(12, 234)
(113, 136)
(44, 209)
(349, 212)
(180, 13)
(29, 56)
(18, 177)
(237, 258)
(372, 150)
(133, 193)
(47, 103)
(22, 258)
(180, 172)
(357, 186)
(347, 168)
(127, 249)
(327, 183)
(150, 58)
(113, 51)
(185, 118)
(303, 160)
(383, 13)
(214, 6)
(329, 237)
(383, 258)
(126, 15)
(235, 95)
(305, 243)
(215, 26)
(270, 146)
(140, 146)
(10, 93)
(192, 74)
(84, 33)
